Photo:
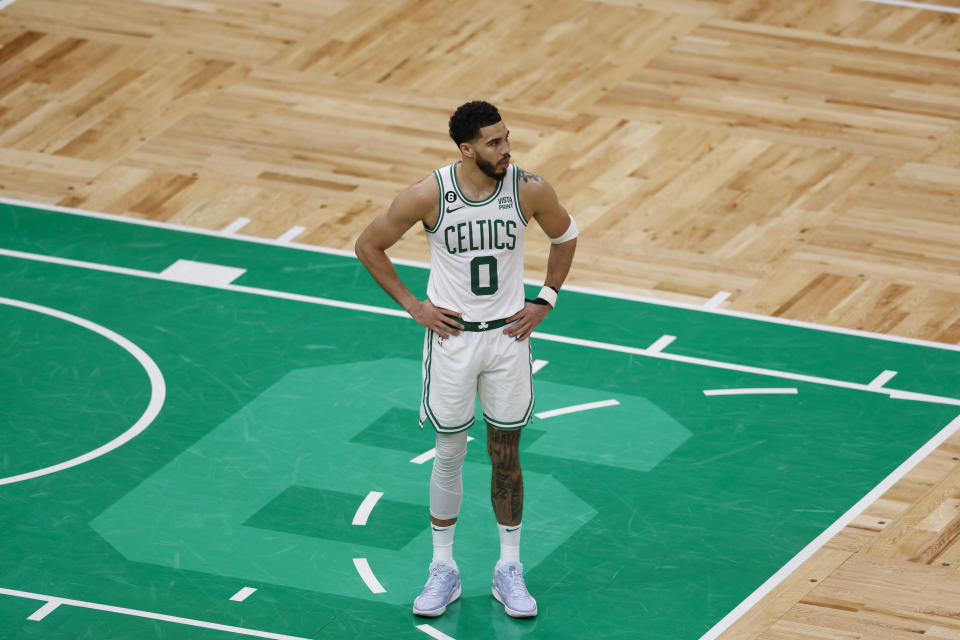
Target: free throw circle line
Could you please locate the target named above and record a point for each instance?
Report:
(366, 574)
(158, 390)
(366, 507)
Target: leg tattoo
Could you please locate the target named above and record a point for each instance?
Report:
(506, 483)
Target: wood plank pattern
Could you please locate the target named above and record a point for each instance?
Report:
(803, 155)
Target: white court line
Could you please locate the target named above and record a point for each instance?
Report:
(593, 344)
(435, 633)
(363, 511)
(910, 395)
(423, 265)
(150, 615)
(158, 390)
(539, 364)
(6, 3)
(363, 568)
(224, 287)
(662, 343)
(423, 457)
(882, 379)
(716, 300)
(918, 5)
(576, 408)
(831, 531)
(717, 364)
(236, 225)
(428, 455)
(243, 594)
(44, 611)
(660, 302)
(290, 234)
(750, 392)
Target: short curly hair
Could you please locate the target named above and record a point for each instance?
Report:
(469, 118)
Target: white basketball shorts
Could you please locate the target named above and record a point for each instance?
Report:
(488, 364)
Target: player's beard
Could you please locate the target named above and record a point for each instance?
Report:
(491, 169)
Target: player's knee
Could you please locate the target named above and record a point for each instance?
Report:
(450, 452)
(504, 449)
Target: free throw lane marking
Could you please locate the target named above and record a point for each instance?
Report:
(363, 511)
(428, 455)
(434, 633)
(575, 408)
(191, 272)
(882, 379)
(539, 364)
(148, 614)
(291, 233)
(363, 568)
(158, 390)
(716, 300)
(750, 392)
(44, 611)
(236, 225)
(243, 594)
(423, 457)
(662, 343)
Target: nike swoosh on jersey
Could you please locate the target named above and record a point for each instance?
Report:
(449, 210)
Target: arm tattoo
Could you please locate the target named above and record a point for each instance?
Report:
(526, 176)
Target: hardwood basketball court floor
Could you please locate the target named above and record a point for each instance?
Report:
(758, 184)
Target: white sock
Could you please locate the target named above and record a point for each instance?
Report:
(443, 543)
(509, 543)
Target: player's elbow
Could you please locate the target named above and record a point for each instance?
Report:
(365, 248)
(362, 247)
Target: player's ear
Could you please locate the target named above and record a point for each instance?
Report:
(466, 149)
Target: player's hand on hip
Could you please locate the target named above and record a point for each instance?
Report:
(525, 321)
(442, 321)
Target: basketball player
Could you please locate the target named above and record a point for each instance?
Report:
(477, 328)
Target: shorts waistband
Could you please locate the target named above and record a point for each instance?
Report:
(485, 325)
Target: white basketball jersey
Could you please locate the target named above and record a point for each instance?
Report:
(476, 249)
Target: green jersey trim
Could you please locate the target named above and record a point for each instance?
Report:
(433, 229)
(468, 201)
(439, 429)
(516, 195)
